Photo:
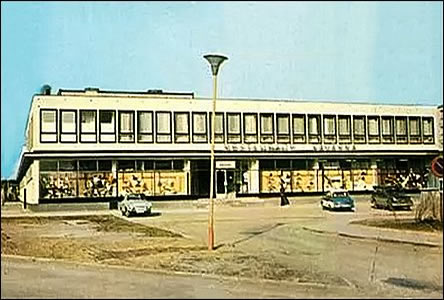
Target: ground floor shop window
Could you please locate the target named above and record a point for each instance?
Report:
(152, 183)
(151, 177)
(76, 179)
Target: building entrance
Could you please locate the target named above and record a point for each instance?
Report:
(225, 179)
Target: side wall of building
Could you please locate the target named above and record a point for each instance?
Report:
(29, 185)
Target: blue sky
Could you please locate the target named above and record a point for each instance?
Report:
(378, 52)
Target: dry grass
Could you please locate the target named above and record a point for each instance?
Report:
(101, 223)
(114, 241)
(403, 224)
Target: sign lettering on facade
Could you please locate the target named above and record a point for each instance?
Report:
(287, 148)
(231, 164)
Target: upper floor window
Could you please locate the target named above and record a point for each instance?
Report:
(200, 134)
(373, 129)
(314, 129)
(234, 133)
(68, 126)
(387, 130)
(401, 130)
(107, 126)
(359, 129)
(344, 129)
(267, 128)
(219, 131)
(329, 129)
(250, 128)
(88, 126)
(126, 126)
(415, 130)
(145, 127)
(163, 131)
(299, 129)
(48, 125)
(181, 127)
(427, 130)
(283, 128)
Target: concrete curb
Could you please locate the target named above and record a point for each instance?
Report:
(177, 273)
(363, 237)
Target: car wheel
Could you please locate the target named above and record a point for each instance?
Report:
(148, 212)
(127, 213)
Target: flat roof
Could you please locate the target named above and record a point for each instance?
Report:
(94, 91)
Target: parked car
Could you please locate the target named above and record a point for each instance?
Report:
(338, 200)
(134, 204)
(390, 197)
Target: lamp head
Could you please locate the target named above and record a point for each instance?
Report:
(215, 61)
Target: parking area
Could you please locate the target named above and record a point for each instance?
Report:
(256, 240)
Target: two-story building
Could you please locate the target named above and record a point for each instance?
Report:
(93, 145)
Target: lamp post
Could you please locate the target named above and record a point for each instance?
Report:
(215, 62)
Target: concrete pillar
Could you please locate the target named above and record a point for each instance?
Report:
(316, 168)
(254, 176)
(187, 172)
(115, 175)
(374, 168)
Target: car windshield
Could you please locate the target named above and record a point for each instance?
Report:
(340, 194)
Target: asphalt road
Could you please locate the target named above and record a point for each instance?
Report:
(374, 268)
(24, 278)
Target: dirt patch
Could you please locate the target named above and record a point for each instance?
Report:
(8, 244)
(403, 224)
(412, 284)
(101, 224)
(115, 241)
(241, 264)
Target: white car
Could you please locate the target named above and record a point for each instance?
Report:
(134, 204)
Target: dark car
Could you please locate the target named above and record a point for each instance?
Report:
(390, 197)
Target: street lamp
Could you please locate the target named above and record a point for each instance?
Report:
(215, 62)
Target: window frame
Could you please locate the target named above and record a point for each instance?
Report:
(139, 112)
(194, 134)
(374, 138)
(224, 128)
(61, 111)
(318, 136)
(245, 134)
(48, 132)
(108, 133)
(87, 133)
(430, 138)
(388, 138)
(357, 136)
(406, 136)
(132, 112)
(415, 139)
(297, 135)
(164, 134)
(281, 136)
(265, 135)
(329, 138)
(240, 128)
(176, 135)
(345, 138)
